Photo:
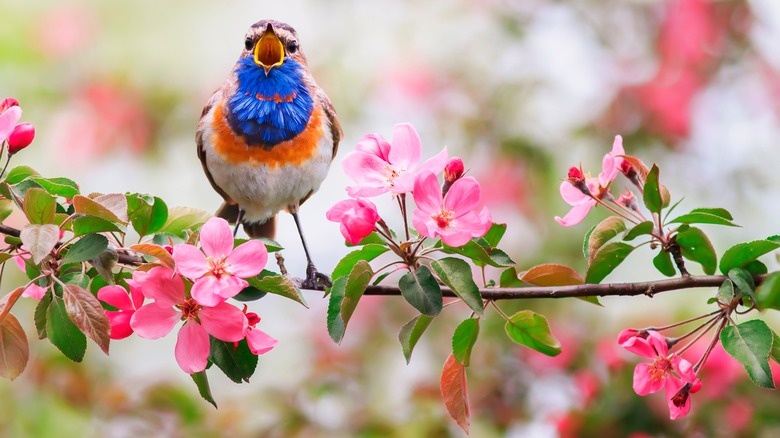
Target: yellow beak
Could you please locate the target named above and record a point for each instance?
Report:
(269, 51)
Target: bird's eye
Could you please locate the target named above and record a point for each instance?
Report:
(292, 47)
(248, 43)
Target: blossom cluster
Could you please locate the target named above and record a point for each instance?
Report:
(450, 211)
(16, 135)
(194, 292)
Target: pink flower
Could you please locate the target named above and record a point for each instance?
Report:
(357, 216)
(581, 191)
(21, 137)
(670, 372)
(379, 167)
(452, 217)
(118, 297)
(219, 270)
(9, 117)
(454, 169)
(157, 319)
(259, 342)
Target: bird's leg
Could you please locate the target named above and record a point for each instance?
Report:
(314, 279)
(239, 218)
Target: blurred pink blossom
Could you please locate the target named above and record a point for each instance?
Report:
(63, 30)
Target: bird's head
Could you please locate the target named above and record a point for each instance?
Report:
(270, 43)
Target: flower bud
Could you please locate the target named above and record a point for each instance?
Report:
(453, 170)
(575, 174)
(8, 102)
(21, 137)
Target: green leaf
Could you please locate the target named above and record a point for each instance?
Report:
(14, 348)
(653, 193)
(63, 333)
(743, 282)
(743, 253)
(278, 285)
(202, 382)
(357, 281)
(374, 237)
(703, 216)
(420, 289)
(58, 186)
(147, 214)
(104, 264)
(233, 358)
(41, 310)
(39, 206)
(768, 292)
(481, 256)
(250, 293)
(463, 340)
(336, 326)
(184, 218)
(642, 229)
(6, 208)
(456, 274)
(663, 262)
(19, 174)
(86, 312)
(750, 344)
(90, 224)
(510, 278)
(40, 240)
(607, 258)
(605, 231)
(92, 207)
(367, 252)
(725, 292)
(270, 244)
(696, 246)
(86, 248)
(531, 329)
(411, 332)
(494, 234)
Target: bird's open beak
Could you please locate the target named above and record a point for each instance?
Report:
(269, 50)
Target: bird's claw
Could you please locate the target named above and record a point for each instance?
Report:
(315, 280)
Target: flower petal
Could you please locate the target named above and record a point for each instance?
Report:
(190, 261)
(576, 214)
(436, 163)
(463, 196)
(34, 291)
(216, 238)
(572, 195)
(406, 147)
(424, 224)
(259, 341)
(192, 347)
(8, 120)
(248, 259)
(120, 324)
(205, 291)
(427, 193)
(152, 321)
(164, 286)
(366, 169)
(374, 144)
(454, 237)
(224, 321)
(644, 382)
(116, 296)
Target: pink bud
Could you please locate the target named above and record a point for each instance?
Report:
(453, 170)
(252, 319)
(575, 174)
(21, 137)
(8, 102)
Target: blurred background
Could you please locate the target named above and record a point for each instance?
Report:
(521, 90)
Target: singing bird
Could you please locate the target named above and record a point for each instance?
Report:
(267, 136)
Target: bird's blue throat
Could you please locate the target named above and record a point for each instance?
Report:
(269, 109)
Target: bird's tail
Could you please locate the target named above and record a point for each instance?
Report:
(267, 229)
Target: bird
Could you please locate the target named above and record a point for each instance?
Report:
(267, 136)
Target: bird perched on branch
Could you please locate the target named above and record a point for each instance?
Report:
(267, 136)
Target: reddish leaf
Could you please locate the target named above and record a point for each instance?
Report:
(116, 203)
(40, 240)
(638, 166)
(86, 312)
(155, 251)
(110, 211)
(14, 350)
(551, 275)
(455, 393)
(8, 301)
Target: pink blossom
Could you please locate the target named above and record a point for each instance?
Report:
(126, 304)
(259, 342)
(32, 290)
(157, 319)
(380, 167)
(454, 169)
(452, 217)
(670, 372)
(581, 191)
(8, 120)
(21, 137)
(358, 218)
(219, 270)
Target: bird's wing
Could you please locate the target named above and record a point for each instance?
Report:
(335, 126)
(216, 97)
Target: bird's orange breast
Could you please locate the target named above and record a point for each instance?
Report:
(234, 149)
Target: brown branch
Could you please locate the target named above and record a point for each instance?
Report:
(649, 288)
